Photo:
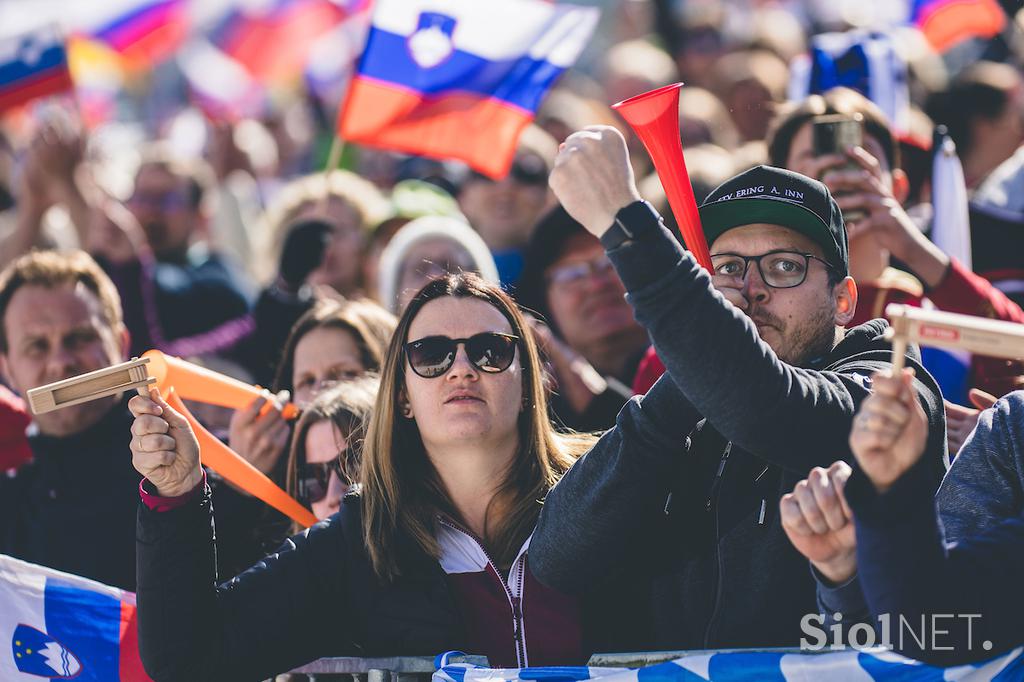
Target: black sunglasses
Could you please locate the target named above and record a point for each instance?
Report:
(526, 170)
(314, 479)
(489, 352)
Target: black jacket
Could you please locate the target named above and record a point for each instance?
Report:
(694, 518)
(72, 508)
(316, 596)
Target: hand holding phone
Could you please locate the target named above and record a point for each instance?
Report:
(833, 135)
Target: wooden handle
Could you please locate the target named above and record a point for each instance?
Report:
(979, 335)
(101, 383)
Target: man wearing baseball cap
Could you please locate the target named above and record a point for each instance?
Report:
(762, 384)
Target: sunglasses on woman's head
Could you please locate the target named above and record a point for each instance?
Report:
(314, 479)
(432, 356)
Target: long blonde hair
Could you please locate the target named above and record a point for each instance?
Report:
(402, 492)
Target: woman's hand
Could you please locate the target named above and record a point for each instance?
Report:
(164, 448)
(259, 433)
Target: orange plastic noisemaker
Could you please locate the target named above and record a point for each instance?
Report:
(192, 382)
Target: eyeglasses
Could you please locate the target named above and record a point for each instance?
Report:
(779, 269)
(489, 352)
(314, 479)
(574, 274)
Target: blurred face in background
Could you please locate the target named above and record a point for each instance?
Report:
(340, 268)
(752, 109)
(323, 356)
(587, 299)
(324, 446)
(428, 260)
(164, 207)
(699, 48)
(505, 211)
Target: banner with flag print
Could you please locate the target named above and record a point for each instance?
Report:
(460, 78)
(33, 64)
(58, 626)
(874, 665)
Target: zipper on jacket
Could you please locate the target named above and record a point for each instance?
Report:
(717, 483)
(514, 601)
(712, 506)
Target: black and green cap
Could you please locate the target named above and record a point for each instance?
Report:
(766, 194)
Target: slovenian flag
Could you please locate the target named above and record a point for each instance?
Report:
(33, 64)
(460, 78)
(59, 626)
(946, 23)
(144, 32)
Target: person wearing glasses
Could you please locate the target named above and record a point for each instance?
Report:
(589, 336)
(323, 461)
(433, 551)
(768, 378)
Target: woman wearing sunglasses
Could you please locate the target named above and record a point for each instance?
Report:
(430, 555)
(323, 461)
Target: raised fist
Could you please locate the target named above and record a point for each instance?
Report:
(592, 177)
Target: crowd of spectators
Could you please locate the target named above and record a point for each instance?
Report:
(531, 425)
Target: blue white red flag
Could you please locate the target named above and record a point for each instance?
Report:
(946, 23)
(144, 32)
(460, 78)
(33, 64)
(58, 626)
(871, 665)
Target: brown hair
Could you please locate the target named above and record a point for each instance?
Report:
(402, 493)
(836, 101)
(50, 269)
(370, 325)
(348, 404)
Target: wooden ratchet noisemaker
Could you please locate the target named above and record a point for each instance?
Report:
(119, 378)
(979, 335)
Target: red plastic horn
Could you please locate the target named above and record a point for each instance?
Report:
(654, 117)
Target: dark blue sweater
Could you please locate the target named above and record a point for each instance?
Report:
(968, 594)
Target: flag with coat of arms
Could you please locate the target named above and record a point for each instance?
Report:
(59, 626)
(460, 78)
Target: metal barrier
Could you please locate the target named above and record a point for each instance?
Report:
(393, 669)
(642, 659)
